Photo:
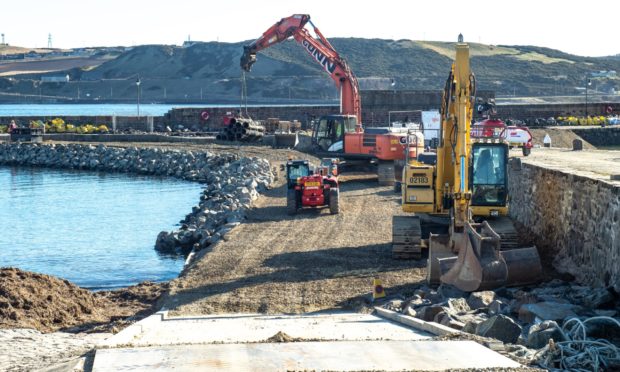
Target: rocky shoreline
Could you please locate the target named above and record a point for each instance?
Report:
(231, 182)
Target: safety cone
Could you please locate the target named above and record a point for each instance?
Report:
(377, 289)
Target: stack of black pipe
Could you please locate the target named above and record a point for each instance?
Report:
(239, 129)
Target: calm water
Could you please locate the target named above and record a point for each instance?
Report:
(87, 109)
(101, 109)
(97, 230)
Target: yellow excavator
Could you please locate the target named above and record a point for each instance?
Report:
(459, 201)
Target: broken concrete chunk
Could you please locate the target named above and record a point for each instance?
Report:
(470, 327)
(481, 299)
(546, 311)
(500, 327)
(458, 305)
(498, 307)
(410, 311)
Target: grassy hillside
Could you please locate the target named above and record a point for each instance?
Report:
(286, 70)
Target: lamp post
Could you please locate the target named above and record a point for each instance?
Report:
(588, 83)
(138, 93)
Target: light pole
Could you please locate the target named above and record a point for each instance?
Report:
(588, 83)
(138, 93)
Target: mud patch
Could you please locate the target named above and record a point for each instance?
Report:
(47, 303)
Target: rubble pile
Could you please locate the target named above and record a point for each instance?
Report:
(537, 324)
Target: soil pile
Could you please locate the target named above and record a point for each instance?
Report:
(559, 138)
(46, 303)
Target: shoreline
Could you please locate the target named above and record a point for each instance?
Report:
(231, 183)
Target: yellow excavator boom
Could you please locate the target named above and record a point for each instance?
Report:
(466, 177)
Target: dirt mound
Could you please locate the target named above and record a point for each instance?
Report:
(559, 137)
(282, 337)
(46, 303)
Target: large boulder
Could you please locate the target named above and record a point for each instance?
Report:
(500, 327)
(165, 242)
(540, 334)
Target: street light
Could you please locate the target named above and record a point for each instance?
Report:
(138, 93)
(588, 83)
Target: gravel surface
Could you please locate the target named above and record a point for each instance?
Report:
(597, 164)
(560, 137)
(274, 263)
(29, 349)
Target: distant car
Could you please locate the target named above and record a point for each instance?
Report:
(516, 136)
(519, 137)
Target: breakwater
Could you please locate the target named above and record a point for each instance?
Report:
(231, 182)
(600, 137)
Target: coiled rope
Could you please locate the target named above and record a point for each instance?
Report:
(577, 352)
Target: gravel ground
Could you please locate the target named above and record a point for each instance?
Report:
(314, 261)
(28, 349)
(597, 164)
(560, 137)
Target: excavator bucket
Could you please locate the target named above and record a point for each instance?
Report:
(281, 140)
(523, 265)
(479, 265)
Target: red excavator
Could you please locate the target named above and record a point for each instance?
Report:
(339, 135)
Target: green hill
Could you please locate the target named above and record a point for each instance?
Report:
(285, 70)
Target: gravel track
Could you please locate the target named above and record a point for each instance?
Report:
(314, 261)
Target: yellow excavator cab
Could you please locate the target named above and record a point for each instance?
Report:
(458, 205)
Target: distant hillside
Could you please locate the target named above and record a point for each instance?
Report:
(211, 70)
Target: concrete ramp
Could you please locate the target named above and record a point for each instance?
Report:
(246, 342)
(159, 329)
(317, 356)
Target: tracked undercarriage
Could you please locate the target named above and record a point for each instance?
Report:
(482, 256)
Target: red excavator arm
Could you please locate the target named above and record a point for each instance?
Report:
(320, 49)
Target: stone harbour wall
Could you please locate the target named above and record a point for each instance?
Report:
(231, 182)
(573, 219)
(608, 136)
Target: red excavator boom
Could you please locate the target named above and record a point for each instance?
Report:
(320, 49)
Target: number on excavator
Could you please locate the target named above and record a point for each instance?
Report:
(419, 180)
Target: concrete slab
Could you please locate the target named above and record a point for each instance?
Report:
(334, 355)
(159, 329)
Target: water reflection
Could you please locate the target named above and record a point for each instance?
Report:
(95, 229)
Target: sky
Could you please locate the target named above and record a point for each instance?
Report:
(587, 28)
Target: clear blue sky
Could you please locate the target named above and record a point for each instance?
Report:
(581, 27)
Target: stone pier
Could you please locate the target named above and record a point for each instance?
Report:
(567, 201)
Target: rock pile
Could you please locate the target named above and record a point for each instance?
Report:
(222, 206)
(526, 317)
(232, 183)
